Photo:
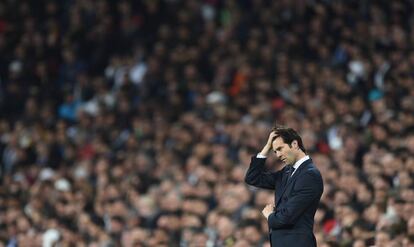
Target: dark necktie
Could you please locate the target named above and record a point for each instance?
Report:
(289, 170)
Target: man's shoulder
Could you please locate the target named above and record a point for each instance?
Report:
(312, 170)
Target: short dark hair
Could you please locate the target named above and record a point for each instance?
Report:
(288, 135)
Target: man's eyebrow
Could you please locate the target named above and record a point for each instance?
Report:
(277, 149)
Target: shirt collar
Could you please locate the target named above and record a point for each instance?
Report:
(300, 162)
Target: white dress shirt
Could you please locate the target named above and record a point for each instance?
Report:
(300, 162)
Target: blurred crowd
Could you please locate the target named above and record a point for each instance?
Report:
(132, 123)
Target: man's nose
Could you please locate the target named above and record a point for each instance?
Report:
(278, 154)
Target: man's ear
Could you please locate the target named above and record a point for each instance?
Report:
(295, 144)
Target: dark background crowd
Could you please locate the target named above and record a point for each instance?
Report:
(132, 123)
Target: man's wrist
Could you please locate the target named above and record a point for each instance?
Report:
(265, 151)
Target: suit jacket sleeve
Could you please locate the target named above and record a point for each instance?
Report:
(257, 176)
(308, 188)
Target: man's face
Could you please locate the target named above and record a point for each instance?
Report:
(283, 152)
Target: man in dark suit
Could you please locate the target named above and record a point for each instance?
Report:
(298, 189)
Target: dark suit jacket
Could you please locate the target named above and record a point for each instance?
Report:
(296, 201)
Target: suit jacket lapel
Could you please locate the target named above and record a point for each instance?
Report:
(280, 188)
(294, 176)
(285, 176)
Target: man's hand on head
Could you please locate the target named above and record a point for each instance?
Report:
(268, 147)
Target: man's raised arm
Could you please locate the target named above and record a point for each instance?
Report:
(256, 174)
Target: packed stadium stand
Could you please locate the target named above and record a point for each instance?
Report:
(132, 123)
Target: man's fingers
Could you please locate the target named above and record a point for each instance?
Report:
(267, 210)
(272, 135)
